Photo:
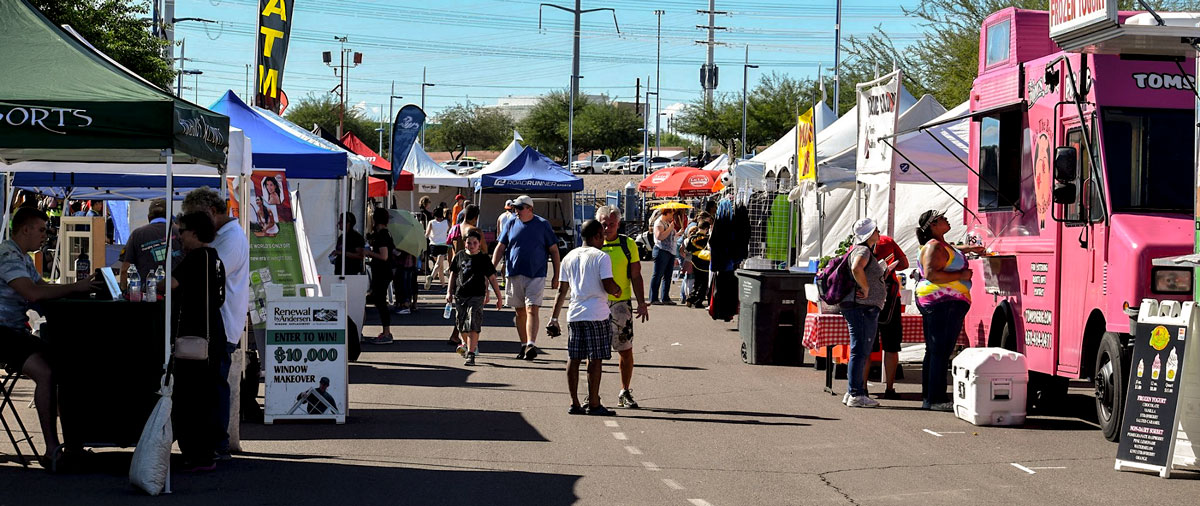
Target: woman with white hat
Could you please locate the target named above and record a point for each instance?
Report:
(862, 310)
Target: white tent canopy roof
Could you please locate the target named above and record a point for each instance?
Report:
(427, 171)
(502, 160)
(718, 163)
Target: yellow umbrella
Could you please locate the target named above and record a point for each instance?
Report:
(672, 205)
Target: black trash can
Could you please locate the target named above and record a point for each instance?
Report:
(771, 316)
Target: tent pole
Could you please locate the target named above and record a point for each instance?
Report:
(170, 201)
(8, 203)
(343, 205)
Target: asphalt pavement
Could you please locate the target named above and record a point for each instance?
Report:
(425, 429)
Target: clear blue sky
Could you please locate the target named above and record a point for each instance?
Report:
(481, 50)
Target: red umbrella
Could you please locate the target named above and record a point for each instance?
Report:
(689, 183)
(377, 187)
(659, 177)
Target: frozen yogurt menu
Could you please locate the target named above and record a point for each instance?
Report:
(1152, 394)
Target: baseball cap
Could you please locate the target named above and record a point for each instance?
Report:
(508, 204)
(459, 197)
(863, 229)
(523, 200)
(928, 217)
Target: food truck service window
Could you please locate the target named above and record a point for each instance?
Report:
(1148, 154)
(999, 160)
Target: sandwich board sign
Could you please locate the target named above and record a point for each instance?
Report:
(1162, 400)
(305, 356)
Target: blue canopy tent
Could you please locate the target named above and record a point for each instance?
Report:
(530, 172)
(275, 148)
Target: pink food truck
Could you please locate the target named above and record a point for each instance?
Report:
(1082, 174)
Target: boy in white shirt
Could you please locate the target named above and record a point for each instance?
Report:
(586, 274)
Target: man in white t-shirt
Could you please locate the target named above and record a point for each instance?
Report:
(587, 276)
(234, 251)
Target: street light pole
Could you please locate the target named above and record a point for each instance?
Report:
(424, 84)
(745, 79)
(391, 118)
(658, 85)
(578, 11)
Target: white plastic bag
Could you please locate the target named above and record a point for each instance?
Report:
(152, 458)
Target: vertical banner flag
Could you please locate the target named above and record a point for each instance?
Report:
(806, 149)
(878, 111)
(274, 247)
(274, 32)
(405, 129)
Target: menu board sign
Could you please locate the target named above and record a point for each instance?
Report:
(1152, 397)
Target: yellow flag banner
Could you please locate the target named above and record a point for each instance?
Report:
(806, 147)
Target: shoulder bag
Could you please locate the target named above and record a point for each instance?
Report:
(196, 347)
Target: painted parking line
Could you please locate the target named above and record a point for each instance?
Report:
(620, 436)
(1023, 468)
(633, 450)
(611, 423)
(932, 432)
(650, 466)
(943, 433)
(699, 502)
(1049, 467)
(671, 484)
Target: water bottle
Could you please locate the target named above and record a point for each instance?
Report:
(135, 284)
(160, 278)
(83, 267)
(449, 309)
(151, 289)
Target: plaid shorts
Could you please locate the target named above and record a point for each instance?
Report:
(589, 340)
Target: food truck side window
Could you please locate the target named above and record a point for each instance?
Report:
(1083, 172)
(997, 43)
(999, 160)
(1148, 156)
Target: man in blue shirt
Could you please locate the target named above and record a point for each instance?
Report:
(525, 244)
(22, 285)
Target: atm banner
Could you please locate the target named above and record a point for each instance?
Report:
(274, 32)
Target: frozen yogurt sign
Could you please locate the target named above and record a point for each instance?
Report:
(1073, 18)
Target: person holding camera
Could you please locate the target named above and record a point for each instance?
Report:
(587, 276)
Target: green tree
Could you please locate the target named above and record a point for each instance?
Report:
(463, 127)
(773, 106)
(601, 126)
(118, 28)
(720, 121)
(322, 110)
(545, 128)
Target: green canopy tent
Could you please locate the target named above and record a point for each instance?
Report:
(64, 102)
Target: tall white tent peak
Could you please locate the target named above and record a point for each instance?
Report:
(823, 116)
(502, 160)
(517, 136)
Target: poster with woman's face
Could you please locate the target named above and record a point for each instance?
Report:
(271, 203)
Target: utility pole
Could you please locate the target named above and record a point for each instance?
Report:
(340, 71)
(658, 84)
(578, 11)
(708, 72)
(179, 76)
(392, 120)
(424, 84)
(837, 62)
(745, 80)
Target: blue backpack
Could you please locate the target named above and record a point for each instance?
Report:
(836, 283)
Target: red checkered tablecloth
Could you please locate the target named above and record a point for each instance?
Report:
(822, 330)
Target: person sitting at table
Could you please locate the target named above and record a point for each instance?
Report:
(943, 297)
(20, 350)
(862, 310)
(199, 288)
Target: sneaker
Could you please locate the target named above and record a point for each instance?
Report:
(846, 398)
(600, 411)
(462, 350)
(668, 302)
(404, 311)
(470, 359)
(531, 353)
(891, 394)
(521, 354)
(862, 401)
(625, 400)
(380, 339)
(576, 410)
(942, 406)
(222, 455)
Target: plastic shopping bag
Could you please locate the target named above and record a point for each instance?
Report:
(152, 458)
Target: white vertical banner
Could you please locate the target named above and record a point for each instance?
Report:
(878, 114)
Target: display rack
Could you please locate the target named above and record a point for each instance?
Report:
(79, 234)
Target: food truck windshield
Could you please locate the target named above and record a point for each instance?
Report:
(1148, 157)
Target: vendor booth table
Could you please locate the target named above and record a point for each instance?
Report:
(829, 329)
(107, 357)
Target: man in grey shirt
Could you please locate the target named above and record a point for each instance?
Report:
(146, 248)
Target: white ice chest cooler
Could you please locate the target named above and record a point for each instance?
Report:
(990, 386)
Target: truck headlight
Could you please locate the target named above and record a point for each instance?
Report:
(1171, 280)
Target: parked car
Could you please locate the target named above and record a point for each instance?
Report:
(464, 166)
(590, 165)
(656, 162)
(614, 166)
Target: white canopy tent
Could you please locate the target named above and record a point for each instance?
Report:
(428, 172)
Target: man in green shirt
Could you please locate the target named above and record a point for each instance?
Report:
(628, 274)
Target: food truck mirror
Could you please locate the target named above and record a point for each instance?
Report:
(1065, 162)
(1052, 75)
(1064, 193)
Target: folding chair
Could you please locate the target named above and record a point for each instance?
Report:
(7, 384)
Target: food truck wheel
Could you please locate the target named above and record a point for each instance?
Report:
(1109, 381)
